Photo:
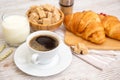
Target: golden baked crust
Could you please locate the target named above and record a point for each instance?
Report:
(111, 26)
(87, 25)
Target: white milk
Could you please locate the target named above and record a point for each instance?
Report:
(15, 29)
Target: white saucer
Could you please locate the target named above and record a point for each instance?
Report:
(22, 59)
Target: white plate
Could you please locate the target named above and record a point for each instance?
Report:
(22, 59)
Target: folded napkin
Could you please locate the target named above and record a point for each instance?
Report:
(111, 73)
(100, 59)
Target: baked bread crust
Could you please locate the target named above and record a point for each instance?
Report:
(87, 25)
(111, 26)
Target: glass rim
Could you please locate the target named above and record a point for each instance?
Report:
(6, 13)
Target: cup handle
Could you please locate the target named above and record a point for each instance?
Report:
(35, 58)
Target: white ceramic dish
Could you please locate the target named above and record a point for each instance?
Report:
(22, 59)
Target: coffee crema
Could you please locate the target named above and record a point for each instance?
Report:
(43, 43)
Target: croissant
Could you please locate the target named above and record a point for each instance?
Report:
(87, 25)
(111, 26)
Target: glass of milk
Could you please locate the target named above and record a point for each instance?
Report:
(15, 28)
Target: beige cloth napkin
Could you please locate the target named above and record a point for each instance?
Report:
(98, 58)
(111, 73)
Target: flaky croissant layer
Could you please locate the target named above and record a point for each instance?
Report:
(111, 26)
(92, 26)
(87, 25)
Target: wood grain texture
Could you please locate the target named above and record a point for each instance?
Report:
(78, 70)
(110, 44)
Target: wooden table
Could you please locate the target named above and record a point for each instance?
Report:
(78, 70)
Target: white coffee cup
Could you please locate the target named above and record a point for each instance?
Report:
(43, 57)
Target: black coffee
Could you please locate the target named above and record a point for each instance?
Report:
(44, 43)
